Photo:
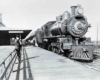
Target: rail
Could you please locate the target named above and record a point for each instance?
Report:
(6, 66)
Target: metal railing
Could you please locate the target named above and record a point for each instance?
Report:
(6, 66)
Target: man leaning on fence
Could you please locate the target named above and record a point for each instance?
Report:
(18, 48)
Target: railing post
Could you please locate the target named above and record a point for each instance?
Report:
(5, 69)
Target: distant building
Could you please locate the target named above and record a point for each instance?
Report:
(8, 35)
(95, 42)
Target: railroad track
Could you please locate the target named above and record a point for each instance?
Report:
(95, 64)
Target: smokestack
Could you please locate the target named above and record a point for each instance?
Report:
(73, 8)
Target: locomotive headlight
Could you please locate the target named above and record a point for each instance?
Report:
(79, 10)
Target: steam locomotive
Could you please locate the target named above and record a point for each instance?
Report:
(66, 35)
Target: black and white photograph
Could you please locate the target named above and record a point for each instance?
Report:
(49, 40)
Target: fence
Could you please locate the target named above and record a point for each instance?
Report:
(6, 66)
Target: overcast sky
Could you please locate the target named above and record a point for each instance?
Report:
(32, 14)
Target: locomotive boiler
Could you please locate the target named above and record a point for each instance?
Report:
(66, 35)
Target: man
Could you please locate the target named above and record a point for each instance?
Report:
(34, 42)
(18, 47)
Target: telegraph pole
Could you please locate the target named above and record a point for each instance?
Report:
(97, 35)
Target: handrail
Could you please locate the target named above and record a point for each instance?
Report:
(6, 66)
(6, 57)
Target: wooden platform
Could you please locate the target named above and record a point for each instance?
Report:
(40, 64)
